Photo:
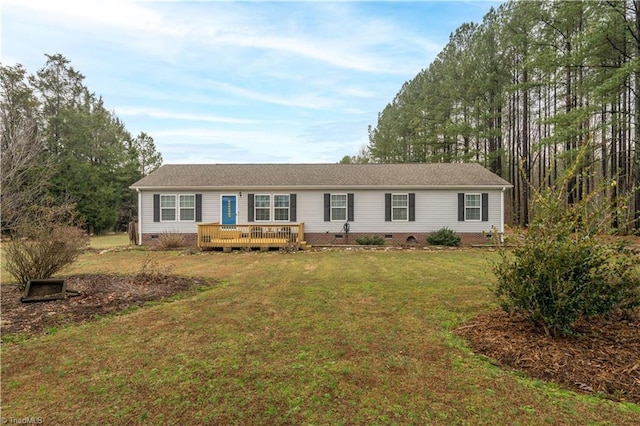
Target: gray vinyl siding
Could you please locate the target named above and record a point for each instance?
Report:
(434, 209)
(210, 213)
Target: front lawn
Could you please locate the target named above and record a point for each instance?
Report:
(327, 337)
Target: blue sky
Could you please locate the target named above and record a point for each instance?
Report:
(239, 82)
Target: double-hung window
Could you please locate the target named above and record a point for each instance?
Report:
(472, 206)
(271, 207)
(177, 207)
(281, 205)
(262, 205)
(399, 207)
(167, 208)
(338, 207)
(187, 207)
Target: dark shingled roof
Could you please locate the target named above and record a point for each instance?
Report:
(320, 176)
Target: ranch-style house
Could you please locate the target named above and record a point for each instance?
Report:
(275, 205)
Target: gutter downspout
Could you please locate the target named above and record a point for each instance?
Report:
(139, 216)
(504, 188)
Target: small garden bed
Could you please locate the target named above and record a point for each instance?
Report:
(99, 295)
(603, 358)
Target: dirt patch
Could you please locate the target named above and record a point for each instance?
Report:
(603, 358)
(99, 295)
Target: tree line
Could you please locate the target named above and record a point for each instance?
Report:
(521, 93)
(64, 151)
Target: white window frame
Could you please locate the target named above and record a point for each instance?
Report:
(467, 207)
(344, 208)
(181, 208)
(261, 208)
(280, 209)
(177, 207)
(169, 208)
(397, 208)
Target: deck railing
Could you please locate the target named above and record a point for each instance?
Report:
(215, 235)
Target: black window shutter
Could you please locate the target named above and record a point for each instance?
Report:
(292, 208)
(327, 207)
(412, 207)
(460, 206)
(387, 207)
(198, 207)
(156, 207)
(350, 213)
(485, 207)
(250, 207)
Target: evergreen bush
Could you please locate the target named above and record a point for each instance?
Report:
(376, 240)
(444, 237)
(561, 269)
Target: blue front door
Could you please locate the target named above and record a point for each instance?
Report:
(228, 210)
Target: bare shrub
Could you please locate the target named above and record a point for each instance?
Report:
(290, 248)
(170, 241)
(151, 269)
(39, 251)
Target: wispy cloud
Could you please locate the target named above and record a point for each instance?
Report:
(305, 100)
(232, 81)
(117, 14)
(172, 115)
(234, 146)
(334, 37)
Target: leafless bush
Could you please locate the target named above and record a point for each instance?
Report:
(171, 240)
(290, 248)
(151, 269)
(39, 251)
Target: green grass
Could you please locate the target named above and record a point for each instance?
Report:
(109, 241)
(336, 337)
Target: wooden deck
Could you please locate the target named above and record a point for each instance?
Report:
(264, 237)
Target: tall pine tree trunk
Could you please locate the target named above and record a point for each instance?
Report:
(635, 165)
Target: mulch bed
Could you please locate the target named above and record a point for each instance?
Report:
(603, 358)
(99, 295)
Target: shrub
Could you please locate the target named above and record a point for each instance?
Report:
(39, 251)
(559, 271)
(376, 240)
(556, 282)
(150, 269)
(170, 241)
(444, 237)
